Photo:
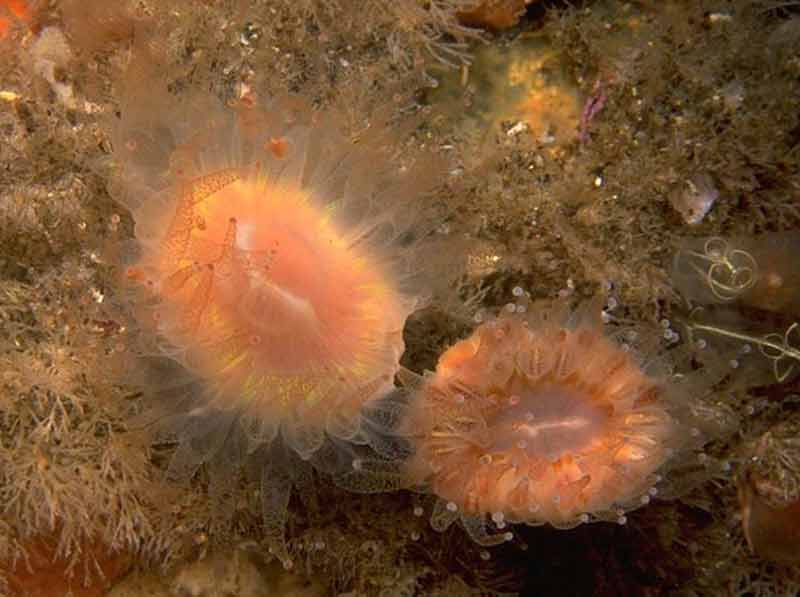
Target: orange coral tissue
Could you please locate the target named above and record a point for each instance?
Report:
(271, 273)
(539, 419)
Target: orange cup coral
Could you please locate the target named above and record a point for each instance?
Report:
(259, 291)
(274, 267)
(539, 419)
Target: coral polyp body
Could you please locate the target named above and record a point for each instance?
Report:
(270, 278)
(263, 294)
(539, 421)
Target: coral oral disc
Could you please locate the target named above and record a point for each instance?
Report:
(535, 420)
